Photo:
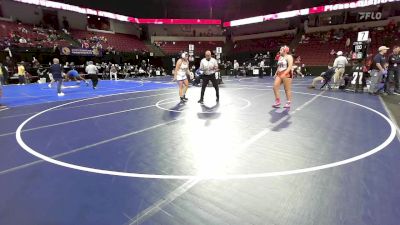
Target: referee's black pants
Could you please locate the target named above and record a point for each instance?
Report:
(206, 79)
(95, 79)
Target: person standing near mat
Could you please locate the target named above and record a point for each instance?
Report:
(2, 107)
(3, 74)
(393, 71)
(377, 70)
(181, 75)
(56, 71)
(92, 71)
(113, 72)
(235, 68)
(283, 74)
(209, 66)
(21, 74)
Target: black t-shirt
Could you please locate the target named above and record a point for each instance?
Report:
(394, 61)
(378, 58)
(329, 73)
(56, 71)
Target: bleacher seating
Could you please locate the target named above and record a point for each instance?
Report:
(36, 37)
(262, 44)
(171, 48)
(120, 42)
(317, 49)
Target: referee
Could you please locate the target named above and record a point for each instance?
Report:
(92, 71)
(209, 66)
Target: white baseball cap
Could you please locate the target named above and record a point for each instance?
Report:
(339, 53)
(383, 48)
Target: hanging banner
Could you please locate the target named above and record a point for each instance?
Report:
(80, 51)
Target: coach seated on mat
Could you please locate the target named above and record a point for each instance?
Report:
(325, 76)
(197, 77)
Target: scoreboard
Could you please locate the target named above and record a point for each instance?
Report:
(360, 47)
(360, 50)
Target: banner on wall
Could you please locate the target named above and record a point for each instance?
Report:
(80, 51)
(369, 16)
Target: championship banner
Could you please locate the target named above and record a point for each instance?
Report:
(80, 51)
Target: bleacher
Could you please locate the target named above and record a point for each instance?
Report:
(317, 49)
(262, 44)
(120, 42)
(173, 48)
(36, 37)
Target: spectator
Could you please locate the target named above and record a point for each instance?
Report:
(391, 25)
(22, 40)
(35, 63)
(348, 43)
(65, 23)
(306, 25)
(393, 71)
(2, 107)
(303, 38)
(113, 72)
(9, 64)
(21, 73)
(3, 74)
(235, 68)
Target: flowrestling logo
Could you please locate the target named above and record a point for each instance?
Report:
(366, 16)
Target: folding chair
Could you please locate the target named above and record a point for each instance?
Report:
(327, 83)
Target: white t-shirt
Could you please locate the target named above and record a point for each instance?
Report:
(340, 62)
(236, 65)
(209, 66)
(91, 69)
